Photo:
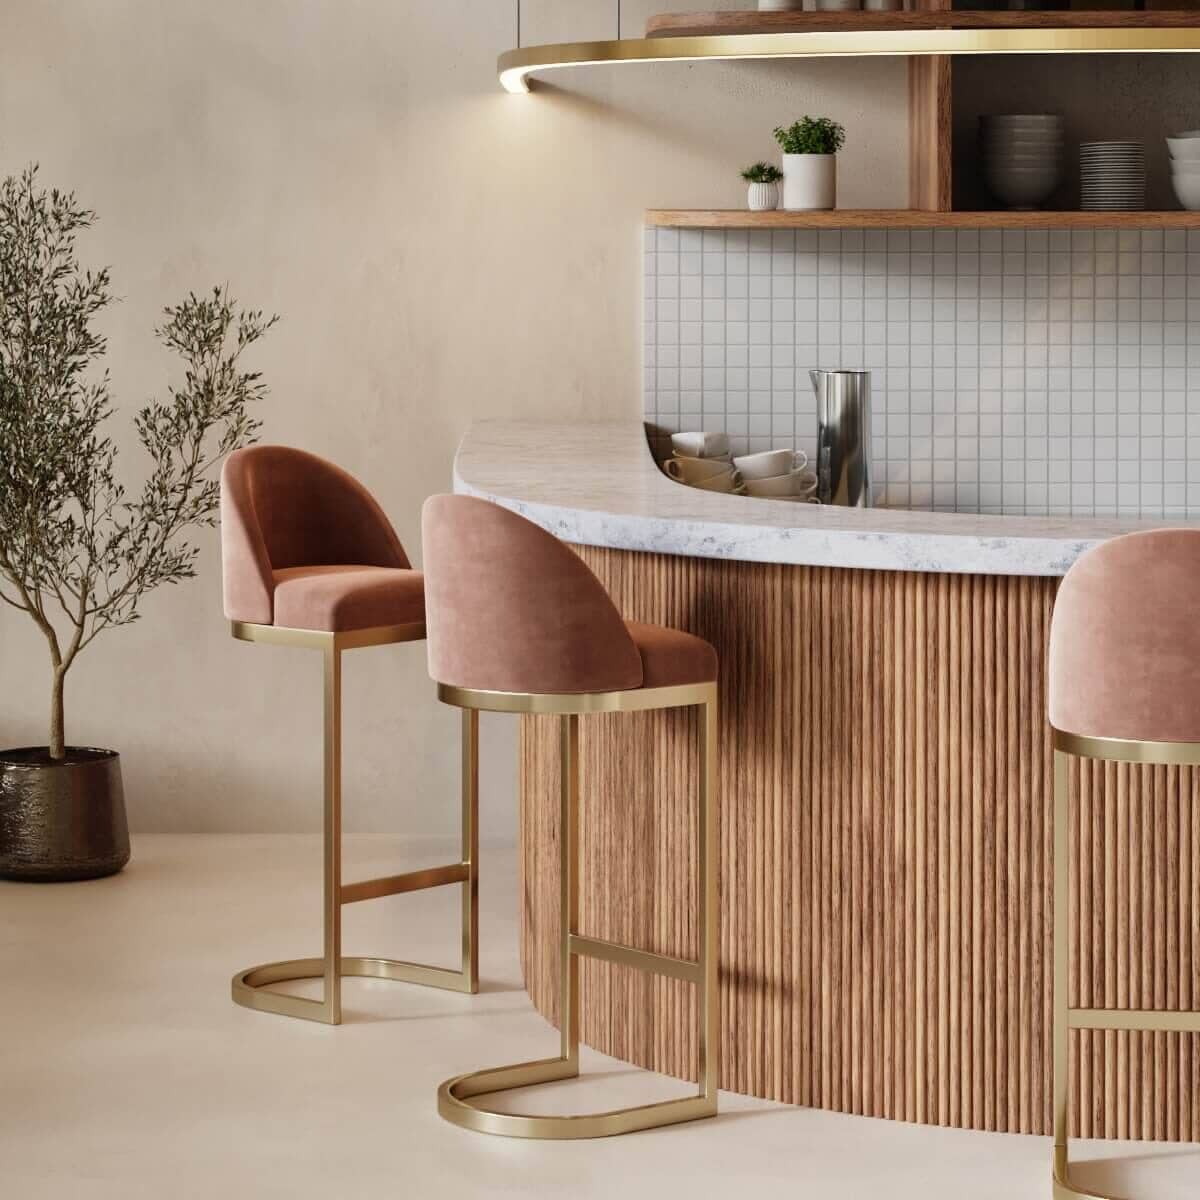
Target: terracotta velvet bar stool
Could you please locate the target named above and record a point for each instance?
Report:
(310, 560)
(1124, 686)
(519, 624)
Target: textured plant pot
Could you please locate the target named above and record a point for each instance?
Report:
(61, 821)
(763, 197)
(809, 182)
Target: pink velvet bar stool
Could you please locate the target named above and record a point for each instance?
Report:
(1124, 686)
(519, 624)
(309, 559)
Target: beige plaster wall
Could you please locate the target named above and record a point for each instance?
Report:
(439, 251)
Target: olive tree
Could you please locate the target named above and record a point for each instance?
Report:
(77, 553)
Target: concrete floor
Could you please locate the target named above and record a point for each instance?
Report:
(125, 1070)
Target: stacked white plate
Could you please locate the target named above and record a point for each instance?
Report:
(1112, 176)
(1022, 156)
(1185, 167)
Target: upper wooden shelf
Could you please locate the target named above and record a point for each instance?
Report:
(915, 218)
(720, 24)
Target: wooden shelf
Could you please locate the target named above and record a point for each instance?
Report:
(911, 218)
(720, 24)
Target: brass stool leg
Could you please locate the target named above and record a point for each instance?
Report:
(251, 988)
(470, 850)
(568, 883)
(455, 1095)
(1062, 975)
(706, 889)
(331, 900)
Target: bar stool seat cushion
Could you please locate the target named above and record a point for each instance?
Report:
(339, 598)
(1125, 640)
(671, 657)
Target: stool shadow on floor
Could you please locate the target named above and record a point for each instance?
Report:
(1114, 1176)
(372, 995)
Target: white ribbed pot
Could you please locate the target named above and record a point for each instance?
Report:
(809, 181)
(763, 197)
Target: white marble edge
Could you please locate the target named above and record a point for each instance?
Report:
(596, 484)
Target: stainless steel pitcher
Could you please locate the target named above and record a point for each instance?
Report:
(843, 437)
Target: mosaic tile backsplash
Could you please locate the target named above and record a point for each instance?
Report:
(1034, 372)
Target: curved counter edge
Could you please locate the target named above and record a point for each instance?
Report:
(596, 484)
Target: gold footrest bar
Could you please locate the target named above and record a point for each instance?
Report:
(643, 960)
(410, 881)
(454, 1105)
(252, 988)
(1136, 1020)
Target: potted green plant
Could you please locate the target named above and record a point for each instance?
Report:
(763, 194)
(810, 148)
(77, 555)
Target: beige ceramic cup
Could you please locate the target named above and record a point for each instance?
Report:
(701, 445)
(794, 483)
(769, 463)
(728, 481)
(695, 471)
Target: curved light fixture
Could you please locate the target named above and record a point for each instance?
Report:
(516, 66)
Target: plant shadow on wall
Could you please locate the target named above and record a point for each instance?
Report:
(77, 555)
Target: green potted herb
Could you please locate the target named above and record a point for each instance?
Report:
(763, 179)
(810, 148)
(77, 555)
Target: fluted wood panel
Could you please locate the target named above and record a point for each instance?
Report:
(885, 846)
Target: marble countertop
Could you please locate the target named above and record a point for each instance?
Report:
(596, 484)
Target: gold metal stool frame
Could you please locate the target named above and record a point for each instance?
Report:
(456, 1096)
(251, 988)
(1065, 1017)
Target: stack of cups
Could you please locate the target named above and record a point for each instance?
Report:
(1022, 157)
(779, 475)
(702, 460)
(1112, 176)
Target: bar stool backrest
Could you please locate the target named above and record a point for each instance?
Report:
(510, 608)
(283, 508)
(1125, 640)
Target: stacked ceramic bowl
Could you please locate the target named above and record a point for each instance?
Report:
(778, 475)
(1112, 176)
(1022, 156)
(1185, 167)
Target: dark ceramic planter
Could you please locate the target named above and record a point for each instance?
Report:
(61, 821)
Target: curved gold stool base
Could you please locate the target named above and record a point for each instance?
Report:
(252, 988)
(454, 1105)
(455, 1096)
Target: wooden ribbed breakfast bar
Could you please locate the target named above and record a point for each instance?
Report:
(885, 829)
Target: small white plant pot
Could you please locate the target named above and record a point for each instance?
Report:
(809, 182)
(763, 197)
